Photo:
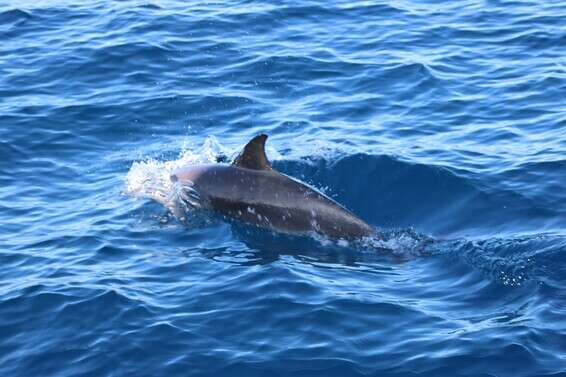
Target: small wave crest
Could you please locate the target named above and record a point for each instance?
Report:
(402, 242)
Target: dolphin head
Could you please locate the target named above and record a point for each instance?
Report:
(187, 174)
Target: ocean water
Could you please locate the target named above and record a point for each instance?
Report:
(442, 124)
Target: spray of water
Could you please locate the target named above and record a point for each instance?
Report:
(150, 179)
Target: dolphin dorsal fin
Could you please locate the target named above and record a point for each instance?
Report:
(253, 155)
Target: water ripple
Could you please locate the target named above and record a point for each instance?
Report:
(442, 125)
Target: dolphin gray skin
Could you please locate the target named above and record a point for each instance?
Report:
(250, 190)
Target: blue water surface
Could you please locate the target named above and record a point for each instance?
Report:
(427, 119)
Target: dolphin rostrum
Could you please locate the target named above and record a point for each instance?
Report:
(251, 191)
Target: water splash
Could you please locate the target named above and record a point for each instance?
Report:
(150, 179)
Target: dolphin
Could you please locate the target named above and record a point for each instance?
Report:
(251, 191)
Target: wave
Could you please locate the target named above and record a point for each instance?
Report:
(14, 16)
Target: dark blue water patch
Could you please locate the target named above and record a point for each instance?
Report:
(13, 18)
